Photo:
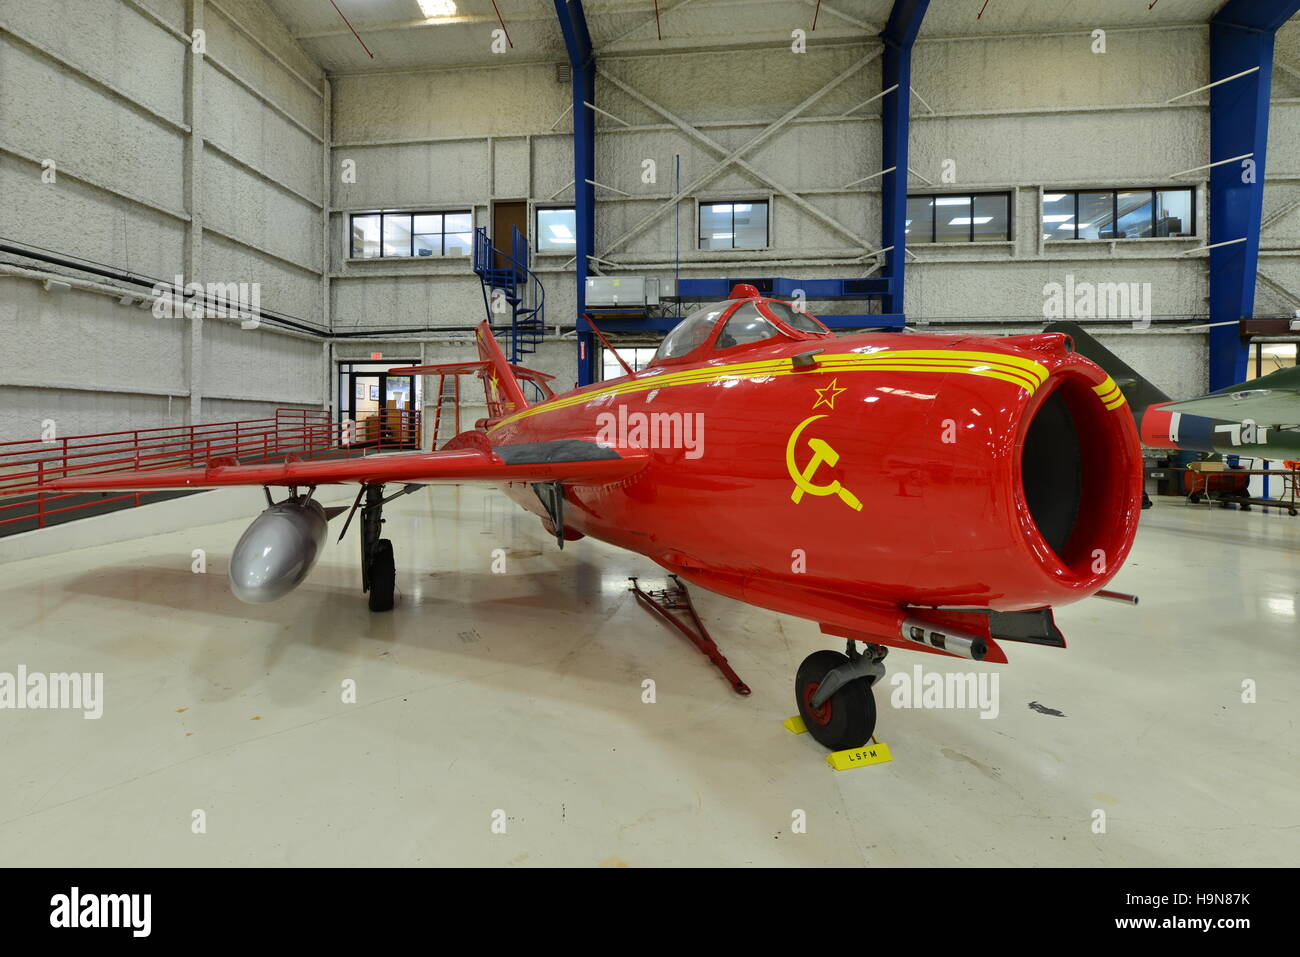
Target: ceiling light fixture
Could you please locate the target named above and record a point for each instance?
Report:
(437, 9)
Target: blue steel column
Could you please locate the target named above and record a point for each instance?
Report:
(577, 41)
(899, 35)
(1241, 37)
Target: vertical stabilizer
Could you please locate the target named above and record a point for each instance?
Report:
(504, 394)
(1140, 393)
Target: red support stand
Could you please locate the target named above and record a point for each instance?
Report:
(673, 605)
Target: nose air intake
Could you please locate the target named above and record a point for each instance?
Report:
(1052, 472)
(1079, 480)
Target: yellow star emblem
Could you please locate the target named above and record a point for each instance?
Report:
(827, 395)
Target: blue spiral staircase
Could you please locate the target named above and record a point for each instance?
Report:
(520, 289)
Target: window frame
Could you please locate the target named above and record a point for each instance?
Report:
(723, 201)
(1189, 233)
(410, 214)
(537, 229)
(1008, 194)
(630, 354)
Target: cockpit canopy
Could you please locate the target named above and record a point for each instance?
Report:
(743, 319)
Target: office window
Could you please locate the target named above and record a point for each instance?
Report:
(557, 230)
(1269, 357)
(365, 236)
(964, 218)
(1096, 212)
(411, 235)
(919, 227)
(992, 219)
(1175, 212)
(1119, 214)
(397, 236)
(638, 357)
(733, 225)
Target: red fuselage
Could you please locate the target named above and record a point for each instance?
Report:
(885, 471)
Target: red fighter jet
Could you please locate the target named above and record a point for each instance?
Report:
(933, 492)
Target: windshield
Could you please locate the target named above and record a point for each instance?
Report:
(746, 325)
(794, 318)
(689, 334)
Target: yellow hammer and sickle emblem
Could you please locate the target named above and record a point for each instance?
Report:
(803, 477)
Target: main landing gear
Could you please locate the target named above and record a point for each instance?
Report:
(833, 692)
(378, 570)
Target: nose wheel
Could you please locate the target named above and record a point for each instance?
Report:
(834, 697)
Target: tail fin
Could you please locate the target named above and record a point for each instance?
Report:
(504, 394)
(1138, 391)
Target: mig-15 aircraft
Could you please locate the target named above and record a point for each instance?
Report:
(935, 492)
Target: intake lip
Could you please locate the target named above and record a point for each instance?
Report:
(1078, 475)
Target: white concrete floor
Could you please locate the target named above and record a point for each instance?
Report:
(522, 692)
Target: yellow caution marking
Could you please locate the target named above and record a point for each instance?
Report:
(794, 724)
(877, 752)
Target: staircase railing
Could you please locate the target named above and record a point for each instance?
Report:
(520, 286)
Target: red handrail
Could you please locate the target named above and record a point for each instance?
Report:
(27, 464)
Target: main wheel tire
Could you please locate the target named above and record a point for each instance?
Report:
(848, 717)
(383, 576)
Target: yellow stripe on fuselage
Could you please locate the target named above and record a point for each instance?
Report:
(1109, 393)
(1026, 373)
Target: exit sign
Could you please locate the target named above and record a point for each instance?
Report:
(376, 355)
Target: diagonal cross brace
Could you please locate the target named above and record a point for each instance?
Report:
(1277, 215)
(735, 157)
(1278, 288)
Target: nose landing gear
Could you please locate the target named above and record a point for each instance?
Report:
(833, 693)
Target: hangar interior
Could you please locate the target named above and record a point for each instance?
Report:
(355, 176)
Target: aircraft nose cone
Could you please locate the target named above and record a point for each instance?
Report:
(276, 552)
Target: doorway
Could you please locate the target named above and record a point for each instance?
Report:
(381, 408)
(512, 213)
